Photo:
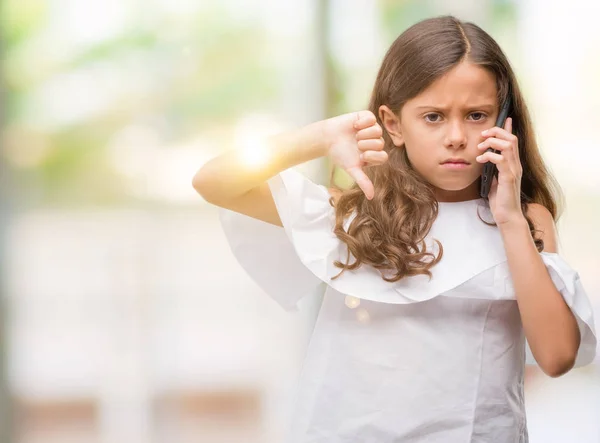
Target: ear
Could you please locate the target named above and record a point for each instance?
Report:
(391, 124)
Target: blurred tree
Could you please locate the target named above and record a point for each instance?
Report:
(66, 105)
(6, 402)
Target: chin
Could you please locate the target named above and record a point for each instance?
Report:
(457, 186)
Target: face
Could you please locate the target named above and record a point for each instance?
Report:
(445, 122)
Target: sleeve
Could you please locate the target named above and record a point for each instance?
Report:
(288, 263)
(568, 283)
(267, 253)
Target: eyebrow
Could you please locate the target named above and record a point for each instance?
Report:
(479, 106)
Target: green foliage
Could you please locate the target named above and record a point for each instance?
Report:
(202, 70)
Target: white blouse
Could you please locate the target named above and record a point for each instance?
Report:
(417, 360)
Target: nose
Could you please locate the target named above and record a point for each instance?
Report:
(456, 136)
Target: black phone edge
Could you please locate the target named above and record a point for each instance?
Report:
(489, 169)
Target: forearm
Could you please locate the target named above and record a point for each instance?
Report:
(548, 323)
(232, 174)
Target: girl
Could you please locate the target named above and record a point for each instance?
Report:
(432, 291)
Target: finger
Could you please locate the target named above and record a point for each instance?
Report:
(490, 156)
(509, 128)
(374, 157)
(499, 133)
(362, 181)
(508, 125)
(496, 144)
(364, 119)
(509, 150)
(372, 132)
(506, 162)
(499, 160)
(371, 145)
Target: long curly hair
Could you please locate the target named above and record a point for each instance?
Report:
(388, 232)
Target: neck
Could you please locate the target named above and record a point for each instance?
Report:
(469, 193)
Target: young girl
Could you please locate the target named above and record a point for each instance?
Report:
(432, 290)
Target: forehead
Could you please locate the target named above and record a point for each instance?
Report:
(464, 84)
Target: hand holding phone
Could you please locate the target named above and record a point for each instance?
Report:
(489, 169)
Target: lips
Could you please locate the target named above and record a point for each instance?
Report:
(456, 161)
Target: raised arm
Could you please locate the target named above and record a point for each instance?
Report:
(351, 140)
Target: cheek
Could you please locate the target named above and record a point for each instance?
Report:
(475, 136)
(425, 139)
(422, 153)
(422, 162)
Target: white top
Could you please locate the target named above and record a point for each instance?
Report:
(411, 361)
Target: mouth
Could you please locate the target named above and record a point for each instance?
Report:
(455, 160)
(455, 163)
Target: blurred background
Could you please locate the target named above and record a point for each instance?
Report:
(124, 315)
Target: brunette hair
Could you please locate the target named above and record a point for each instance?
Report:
(388, 232)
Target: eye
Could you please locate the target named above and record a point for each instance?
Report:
(435, 120)
(480, 115)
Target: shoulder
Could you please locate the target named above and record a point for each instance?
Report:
(544, 222)
(540, 215)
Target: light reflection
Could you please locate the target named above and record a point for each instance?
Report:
(352, 302)
(251, 135)
(362, 315)
(254, 152)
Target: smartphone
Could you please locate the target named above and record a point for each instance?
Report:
(489, 169)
